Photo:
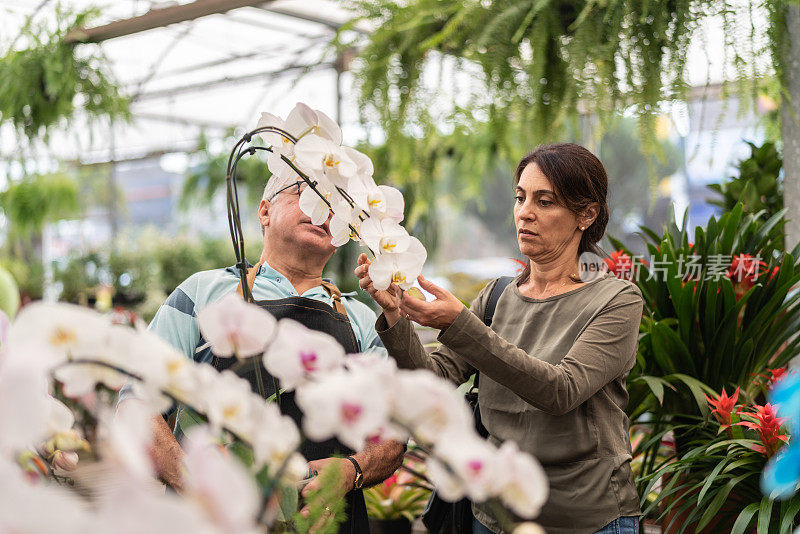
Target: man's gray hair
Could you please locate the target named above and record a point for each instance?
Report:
(274, 183)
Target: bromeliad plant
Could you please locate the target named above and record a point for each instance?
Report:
(402, 495)
(716, 483)
(717, 312)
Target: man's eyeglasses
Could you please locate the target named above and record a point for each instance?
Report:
(298, 186)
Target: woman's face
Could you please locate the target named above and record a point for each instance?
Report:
(546, 230)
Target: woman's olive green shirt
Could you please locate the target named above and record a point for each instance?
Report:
(553, 380)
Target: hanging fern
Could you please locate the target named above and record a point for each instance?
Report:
(43, 85)
(540, 64)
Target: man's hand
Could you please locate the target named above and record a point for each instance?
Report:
(438, 313)
(342, 465)
(387, 299)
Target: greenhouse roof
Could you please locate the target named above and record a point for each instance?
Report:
(208, 74)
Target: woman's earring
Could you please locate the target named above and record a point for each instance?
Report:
(583, 228)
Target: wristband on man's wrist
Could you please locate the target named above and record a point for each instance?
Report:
(358, 483)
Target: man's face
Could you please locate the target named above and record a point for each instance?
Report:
(287, 226)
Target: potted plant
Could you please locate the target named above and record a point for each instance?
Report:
(717, 312)
(396, 502)
(715, 485)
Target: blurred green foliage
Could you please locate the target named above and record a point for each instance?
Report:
(143, 272)
(759, 185)
(31, 202)
(529, 70)
(206, 176)
(42, 86)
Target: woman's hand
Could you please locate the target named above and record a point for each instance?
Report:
(438, 313)
(387, 299)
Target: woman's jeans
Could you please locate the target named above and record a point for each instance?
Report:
(621, 525)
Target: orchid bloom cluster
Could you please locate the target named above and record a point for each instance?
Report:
(341, 187)
(361, 398)
(62, 351)
(80, 356)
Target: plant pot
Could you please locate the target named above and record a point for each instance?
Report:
(390, 526)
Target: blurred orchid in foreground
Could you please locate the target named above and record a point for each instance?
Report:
(298, 354)
(782, 474)
(235, 329)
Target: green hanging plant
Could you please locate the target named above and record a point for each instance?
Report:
(42, 86)
(30, 203)
(533, 70)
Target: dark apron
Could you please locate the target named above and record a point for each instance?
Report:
(321, 317)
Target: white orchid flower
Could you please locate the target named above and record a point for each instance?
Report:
(384, 236)
(378, 201)
(25, 406)
(130, 435)
(275, 437)
(401, 269)
(80, 379)
(314, 205)
(320, 155)
(471, 461)
(160, 365)
(42, 508)
(429, 406)
(219, 483)
(346, 405)
(520, 481)
(364, 167)
(299, 354)
(342, 224)
(59, 329)
(279, 143)
(229, 404)
(301, 121)
(235, 327)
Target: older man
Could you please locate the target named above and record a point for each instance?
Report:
(287, 281)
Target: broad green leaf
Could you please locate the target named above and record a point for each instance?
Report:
(764, 515)
(744, 519)
(789, 513)
(698, 389)
(719, 499)
(187, 418)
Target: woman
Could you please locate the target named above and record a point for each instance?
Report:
(554, 362)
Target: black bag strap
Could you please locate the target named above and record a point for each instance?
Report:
(491, 306)
(494, 296)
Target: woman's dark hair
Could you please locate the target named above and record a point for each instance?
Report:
(579, 180)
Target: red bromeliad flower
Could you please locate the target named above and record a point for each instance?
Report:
(620, 264)
(744, 272)
(772, 376)
(774, 273)
(745, 269)
(768, 427)
(723, 407)
(387, 486)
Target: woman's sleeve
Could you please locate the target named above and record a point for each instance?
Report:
(403, 344)
(604, 350)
